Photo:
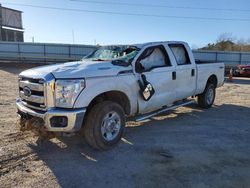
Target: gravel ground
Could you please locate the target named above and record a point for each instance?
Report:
(189, 147)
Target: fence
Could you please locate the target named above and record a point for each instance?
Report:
(42, 52)
(55, 53)
(229, 58)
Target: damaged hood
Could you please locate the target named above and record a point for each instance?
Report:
(78, 69)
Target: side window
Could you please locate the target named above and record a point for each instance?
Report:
(153, 58)
(180, 54)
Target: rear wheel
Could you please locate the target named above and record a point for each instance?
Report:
(206, 99)
(104, 125)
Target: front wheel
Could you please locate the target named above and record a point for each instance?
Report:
(206, 99)
(104, 125)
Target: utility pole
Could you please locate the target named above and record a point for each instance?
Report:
(73, 36)
(1, 23)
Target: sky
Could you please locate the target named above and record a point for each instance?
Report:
(61, 26)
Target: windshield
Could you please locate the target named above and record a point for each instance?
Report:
(116, 54)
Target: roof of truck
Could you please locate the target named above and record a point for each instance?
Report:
(142, 45)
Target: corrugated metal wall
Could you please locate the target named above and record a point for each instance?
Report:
(229, 58)
(42, 52)
(54, 53)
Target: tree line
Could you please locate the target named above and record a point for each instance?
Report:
(226, 42)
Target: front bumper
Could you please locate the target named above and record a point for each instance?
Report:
(74, 117)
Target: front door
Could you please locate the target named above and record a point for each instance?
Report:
(154, 65)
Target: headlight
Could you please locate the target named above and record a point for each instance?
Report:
(66, 92)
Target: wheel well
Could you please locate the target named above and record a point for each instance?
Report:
(115, 96)
(213, 79)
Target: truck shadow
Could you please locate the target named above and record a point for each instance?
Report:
(74, 164)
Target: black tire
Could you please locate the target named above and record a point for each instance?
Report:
(205, 100)
(236, 73)
(94, 123)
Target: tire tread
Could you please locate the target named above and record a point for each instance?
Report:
(91, 129)
(202, 97)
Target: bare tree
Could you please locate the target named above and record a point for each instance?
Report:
(226, 37)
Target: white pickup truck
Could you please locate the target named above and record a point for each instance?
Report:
(115, 82)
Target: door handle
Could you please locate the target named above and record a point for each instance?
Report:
(192, 72)
(174, 75)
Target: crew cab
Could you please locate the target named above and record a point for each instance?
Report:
(96, 94)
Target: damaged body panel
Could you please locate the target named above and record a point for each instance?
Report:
(115, 81)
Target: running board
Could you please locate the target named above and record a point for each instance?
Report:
(152, 114)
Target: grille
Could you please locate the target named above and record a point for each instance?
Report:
(31, 92)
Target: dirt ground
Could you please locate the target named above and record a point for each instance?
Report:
(189, 147)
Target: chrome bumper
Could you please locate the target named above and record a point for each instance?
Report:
(75, 117)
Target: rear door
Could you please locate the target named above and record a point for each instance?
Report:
(185, 71)
(155, 65)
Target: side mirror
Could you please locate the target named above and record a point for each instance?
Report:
(147, 90)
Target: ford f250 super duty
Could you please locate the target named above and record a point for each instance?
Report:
(97, 93)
